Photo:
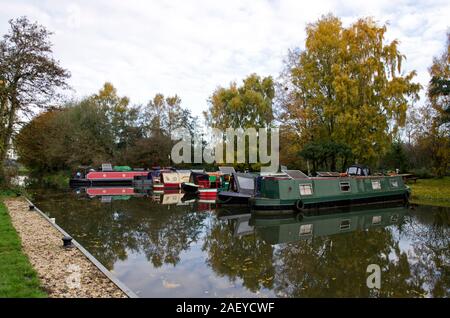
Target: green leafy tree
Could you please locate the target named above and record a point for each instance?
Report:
(37, 144)
(249, 105)
(245, 106)
(324, 155)
(161, 117)
(395, 158)
(122, 118)
(29, 76)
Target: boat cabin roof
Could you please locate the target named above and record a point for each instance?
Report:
(327, 174)
(183, 171)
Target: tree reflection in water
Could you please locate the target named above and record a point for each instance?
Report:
(334, 265)
(269, 257)
(246, 257)
(430, 237)
(111, 231)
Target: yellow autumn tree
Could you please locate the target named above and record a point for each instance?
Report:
(347, 86)
(246, 106)
(438, 134)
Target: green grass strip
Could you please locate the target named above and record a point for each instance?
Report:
(18, 279)
(431, 191)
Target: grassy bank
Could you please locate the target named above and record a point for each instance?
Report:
(431, 191)
(17, 276)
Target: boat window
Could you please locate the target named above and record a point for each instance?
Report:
(353, 171)
(305, 229)
(376, 219)
(246, 183)
(345, 224)
(394, 218)
(376, 184)
(394, 183)
(306, 189)
(345, 186)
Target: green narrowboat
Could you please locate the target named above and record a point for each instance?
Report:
(300, 192)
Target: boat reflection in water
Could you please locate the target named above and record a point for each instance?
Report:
(284, 228)
(164, 198)
(108, 194)
(289, 228)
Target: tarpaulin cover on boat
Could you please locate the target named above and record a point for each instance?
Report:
(122, 168)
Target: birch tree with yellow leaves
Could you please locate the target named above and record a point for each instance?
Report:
(347, 86)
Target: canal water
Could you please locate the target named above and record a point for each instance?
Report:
(169, 246)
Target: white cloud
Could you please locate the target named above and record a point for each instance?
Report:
(190, 47)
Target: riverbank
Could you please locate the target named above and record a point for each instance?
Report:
(18, 279)
(431, 191)
(62, 272)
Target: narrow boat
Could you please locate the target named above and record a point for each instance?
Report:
(300, 192)
(156, 180)
(174, 179)
(242, 188)
(169, 178)
(206, 184)
(193, 185)
(215, 183)
(108, 175)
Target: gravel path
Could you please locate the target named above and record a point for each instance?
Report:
(63, 272)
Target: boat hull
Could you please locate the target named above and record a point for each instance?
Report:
(328, 192)
(277, 204)
(207, 192)
(229, 197)
(114, 175)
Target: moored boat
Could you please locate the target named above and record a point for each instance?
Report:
(193, 183)
(174, 179)
(206, 184)
(169, 178)
(108, 175)
(242, 188)
(300, 192)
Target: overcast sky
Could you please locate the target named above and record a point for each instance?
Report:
(190, 47)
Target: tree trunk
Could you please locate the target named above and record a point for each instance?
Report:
(3, 123)
(6, 136)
